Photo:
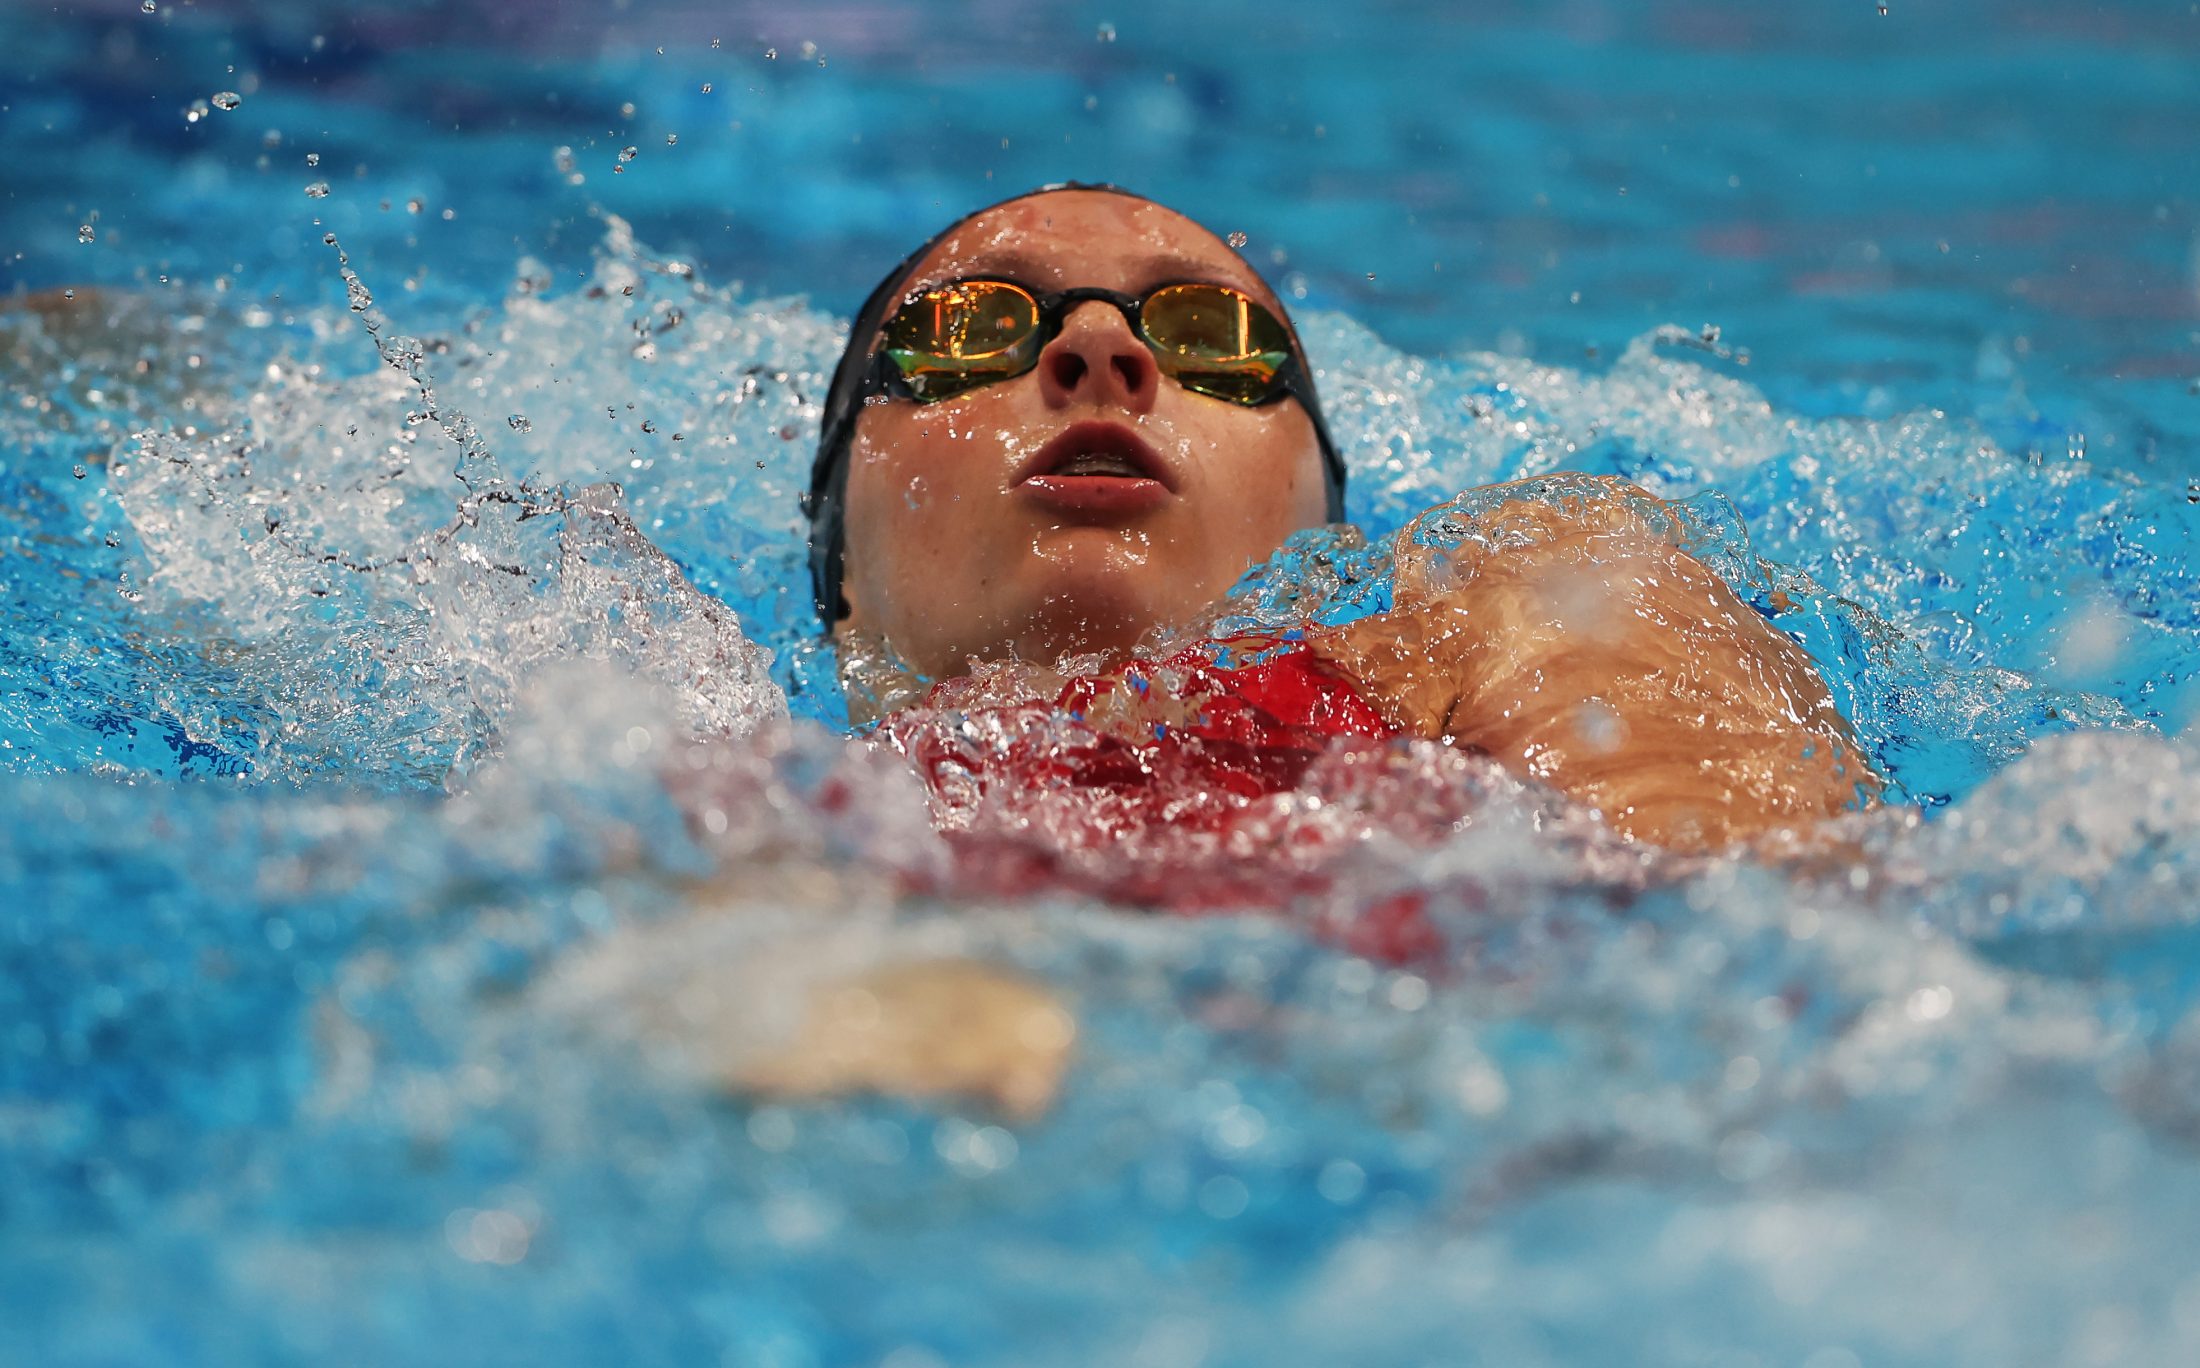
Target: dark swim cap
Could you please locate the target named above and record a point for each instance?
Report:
(825, 504)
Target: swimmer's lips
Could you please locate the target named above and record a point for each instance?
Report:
(1046, 481)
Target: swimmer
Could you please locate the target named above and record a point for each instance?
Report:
(1074, 419)
(1068, 424)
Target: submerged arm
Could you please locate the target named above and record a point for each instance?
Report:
(1575, 640)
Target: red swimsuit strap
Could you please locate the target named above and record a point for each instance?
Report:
(1291, 698)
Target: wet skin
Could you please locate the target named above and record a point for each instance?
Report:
(962, 546)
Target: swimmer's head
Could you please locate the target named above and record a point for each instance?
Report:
(1082, 488)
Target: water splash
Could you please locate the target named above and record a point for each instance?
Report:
(523, 851)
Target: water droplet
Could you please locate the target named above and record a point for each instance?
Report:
(648, 426)
(1370, 275)
(149, 6)
(626, 110)
(1882, 11)
(84, 232)
(313, 159)
(520, 422)
(1106, 33)
(771, 54)
(714, 45)
(227, 99)
(1710, 333)
(415, 205)
(706, 84)
(317, 190)
(1237, 240)
(627, 154)
(80, 472)
(672, 140)
(68, 294)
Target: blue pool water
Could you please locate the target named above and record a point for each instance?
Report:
(371, 927)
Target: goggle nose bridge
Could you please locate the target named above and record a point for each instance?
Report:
(1055, 309)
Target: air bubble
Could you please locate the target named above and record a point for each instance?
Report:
(627, 154)
(84, 233)
(520, 422)
(648, 426)
(1237, 240)
(80, 472)
(149, 6)
(313, 159)
(706, 87)
(317, 190)
(415, 205)
(1106, 33)
(771, 54)
(672, 140)
(226, 100)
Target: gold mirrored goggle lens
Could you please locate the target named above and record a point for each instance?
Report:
(1216, 341)
(1211, 339)
(953, 338)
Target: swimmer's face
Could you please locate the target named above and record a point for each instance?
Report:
(961, 541)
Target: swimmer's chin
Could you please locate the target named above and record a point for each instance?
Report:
(1061, 635)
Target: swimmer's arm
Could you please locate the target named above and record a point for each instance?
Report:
(933, 1030)
(1575, 641)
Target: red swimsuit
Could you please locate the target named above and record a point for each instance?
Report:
(1205, 812)
(1185, 785)
(1256, 729)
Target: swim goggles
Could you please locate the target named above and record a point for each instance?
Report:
(1216, 340)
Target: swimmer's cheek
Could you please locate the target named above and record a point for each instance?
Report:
(950, 1030)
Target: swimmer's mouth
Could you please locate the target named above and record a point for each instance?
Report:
(1097, 467)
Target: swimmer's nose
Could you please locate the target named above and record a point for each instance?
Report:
(1097, 359)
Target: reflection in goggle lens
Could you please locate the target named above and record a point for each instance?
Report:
(1212, 339)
